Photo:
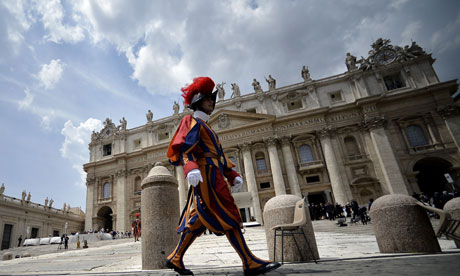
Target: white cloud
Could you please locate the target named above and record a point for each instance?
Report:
(27, 101)
(410, 31)
(52, 16)
(51, 73)
(75, 145)
(448, 37)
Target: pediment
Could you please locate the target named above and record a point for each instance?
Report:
(229, 119)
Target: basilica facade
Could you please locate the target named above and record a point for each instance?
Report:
(386, 125)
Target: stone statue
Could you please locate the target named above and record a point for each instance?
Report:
(51, 203)
(149, 116)
(350, 61)
(63, 208)
(271, 83)
(364, 64)
(2, 189)
(123, 124)
(220, 90)
(306, 74)
(28, 196)
(93, 136)
(24, 195)
(257, 87)
(236, 91)
(176, 107)
(68, 207)
(46, 202)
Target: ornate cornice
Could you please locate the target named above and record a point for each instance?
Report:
(374, 122)
(327, 131)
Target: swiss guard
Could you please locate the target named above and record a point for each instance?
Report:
(210, 204)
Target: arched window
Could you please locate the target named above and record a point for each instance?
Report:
(351, 146)
(107, 190)
(416, 136)
(306, 154)
(137, 184)
(260, 162)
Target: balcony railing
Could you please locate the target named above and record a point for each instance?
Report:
(355, 157)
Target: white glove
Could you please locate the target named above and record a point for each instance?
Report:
(194, 177)
(237, 183)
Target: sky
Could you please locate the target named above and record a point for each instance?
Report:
(65, 66)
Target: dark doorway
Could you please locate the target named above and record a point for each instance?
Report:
(34, 233)
(105, 214)
(431, 177)
(6, 240)
(316, 198)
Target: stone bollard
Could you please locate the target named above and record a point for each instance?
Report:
(401, 226)
(159, 216)
(453, 208)
(280, 210)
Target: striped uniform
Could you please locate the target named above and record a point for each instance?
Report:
(210, 205)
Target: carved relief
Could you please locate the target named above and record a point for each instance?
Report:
(224, 121)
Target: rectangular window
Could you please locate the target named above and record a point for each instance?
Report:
(107, 149)
(137, 143)
(261, 165)
(312, 179)
(55, 233)
(335, 97)
(293, 105)
(265, 185)
(252, 110)
(394, 81)
(163, 135)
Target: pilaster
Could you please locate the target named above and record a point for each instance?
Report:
(121, 222)
(278, 181)
(290, 166)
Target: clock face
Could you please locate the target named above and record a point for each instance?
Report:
(385, 57)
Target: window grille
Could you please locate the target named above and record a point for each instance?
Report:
(416, 136)
(107, 190)
(306, 154)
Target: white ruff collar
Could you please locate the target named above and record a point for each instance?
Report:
(201, 115)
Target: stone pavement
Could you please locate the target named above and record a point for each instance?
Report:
(350, 250)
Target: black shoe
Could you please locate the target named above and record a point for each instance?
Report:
(179, 270)
(262, 269)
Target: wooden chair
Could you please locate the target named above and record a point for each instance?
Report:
(292, 229)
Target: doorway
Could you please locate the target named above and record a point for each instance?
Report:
(316, 198)
(6, 240)
(104, 215)
(430, 177)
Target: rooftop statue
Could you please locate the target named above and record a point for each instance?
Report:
(123, 124)
(305, 74)
(350, 61)
(2, 189)
(220, 90)
(176, 107)
(271, 83)
(149, 116)
(257, 87)
(236, 91)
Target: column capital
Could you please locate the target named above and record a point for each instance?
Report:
(374, 122)
(121, 173)
(327, 131)
(271, 141)
(245, 146)
(448, 111)
(285, 140)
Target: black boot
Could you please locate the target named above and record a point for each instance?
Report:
(262, 269)
(181, 271)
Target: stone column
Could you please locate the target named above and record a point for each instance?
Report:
(121, 201)
(182, 187)
(159, 203)
(275, 166)
(290, 166)
(251, 181)
(337, 184)
(385, 155)
(89, 203)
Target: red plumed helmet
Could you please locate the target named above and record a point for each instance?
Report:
(137, 215)
(200, 88)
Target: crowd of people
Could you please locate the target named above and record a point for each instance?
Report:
(352, 210)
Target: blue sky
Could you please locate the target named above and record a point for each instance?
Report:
(65, 66)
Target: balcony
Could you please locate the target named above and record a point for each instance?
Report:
(355, 158)
(311, 166)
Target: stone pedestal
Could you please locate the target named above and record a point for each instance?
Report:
(401, 226)
(453, 208)
(280, 210)
(159, 216)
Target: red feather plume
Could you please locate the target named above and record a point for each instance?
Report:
(204, 85)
